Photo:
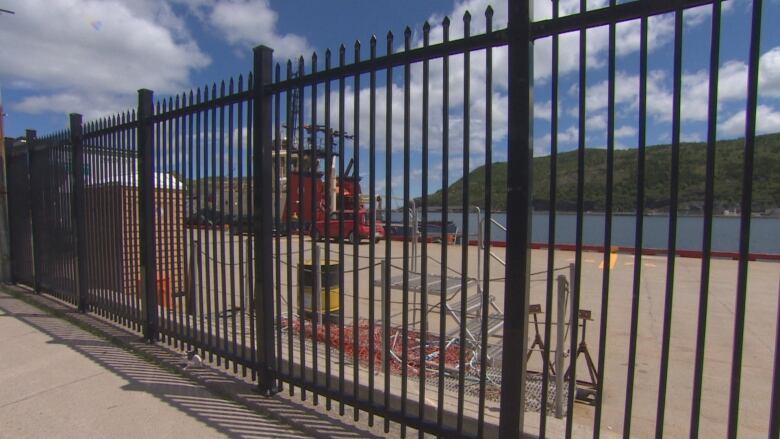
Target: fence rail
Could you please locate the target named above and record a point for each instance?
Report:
(206, 220)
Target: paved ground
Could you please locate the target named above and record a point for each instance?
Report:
(58, 380)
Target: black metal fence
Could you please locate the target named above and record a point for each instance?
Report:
(206, 220)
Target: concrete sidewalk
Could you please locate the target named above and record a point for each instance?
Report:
(58, 380)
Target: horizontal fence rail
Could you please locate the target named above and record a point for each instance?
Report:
(360, 233)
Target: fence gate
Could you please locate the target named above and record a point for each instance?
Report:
(19, 219)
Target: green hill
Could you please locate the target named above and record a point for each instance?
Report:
(728, 178)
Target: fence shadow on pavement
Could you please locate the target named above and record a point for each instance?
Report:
(208, 406)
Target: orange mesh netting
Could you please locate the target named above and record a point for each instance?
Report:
(397, 334)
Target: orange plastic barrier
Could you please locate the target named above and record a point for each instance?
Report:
(164, 296)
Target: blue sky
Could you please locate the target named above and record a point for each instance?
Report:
(89, 56)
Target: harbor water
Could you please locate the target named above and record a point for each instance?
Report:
(764, 231)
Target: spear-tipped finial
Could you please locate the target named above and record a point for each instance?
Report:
(489, 11)
(426, 27)
(372, 41)
(357, 44)
(467, 16)
(389, 35)
(408, 32)
(446, 21)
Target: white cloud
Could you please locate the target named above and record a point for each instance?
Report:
(477, 106)
(660, 32)
(542, 145)
(767, 121)
(90, 56)
(570, 135)
(543, 110)
(248, 23)
(698, 15)
(566, 139)
(732, 88)
(96, 105)
(93, 55)
(625, 131)
(732, 83)
(769, 73)
(596, 122)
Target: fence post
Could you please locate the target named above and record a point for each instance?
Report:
(77, 200)
(6, 274)
(146, 194)
(9, 144)
(35, 214)
(263, 225)
(520, 156)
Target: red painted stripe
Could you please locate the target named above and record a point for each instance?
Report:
(659, 251)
